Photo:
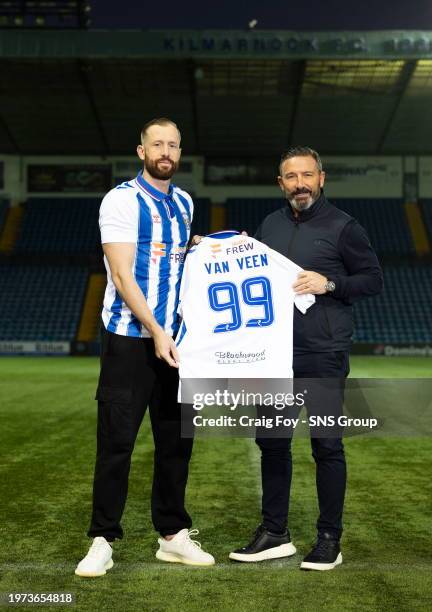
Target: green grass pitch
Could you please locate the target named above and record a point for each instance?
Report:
(47, 447)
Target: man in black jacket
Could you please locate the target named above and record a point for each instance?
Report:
(340, 267)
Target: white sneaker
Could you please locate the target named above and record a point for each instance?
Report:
(97, 561)
(181, 549)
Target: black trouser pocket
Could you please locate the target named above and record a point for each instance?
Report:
(114, 395)
(117, 371)
(115, 418)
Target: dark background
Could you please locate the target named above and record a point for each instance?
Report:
(277, 14)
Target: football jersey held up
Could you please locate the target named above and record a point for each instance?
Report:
(236, 304)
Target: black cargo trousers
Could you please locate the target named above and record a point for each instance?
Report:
(327, 451)
(132, 378)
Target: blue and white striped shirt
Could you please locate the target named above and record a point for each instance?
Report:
(159, 225)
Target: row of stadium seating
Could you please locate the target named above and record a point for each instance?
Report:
(44, 303)
(40, 303)
(402, 312)
(69, 226)
(385, 222)
(384, 219)
(65, 226)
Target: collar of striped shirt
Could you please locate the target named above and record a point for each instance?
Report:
(152, 191)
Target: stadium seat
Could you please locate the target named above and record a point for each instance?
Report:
(385, 222)
(201, 217)
(247, 213)
(402, 312)
(384, 219)
(69, 226)
(66, 226)
(40, 303)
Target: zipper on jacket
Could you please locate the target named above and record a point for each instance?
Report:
(293, 236)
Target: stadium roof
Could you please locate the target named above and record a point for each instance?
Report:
(232, 94)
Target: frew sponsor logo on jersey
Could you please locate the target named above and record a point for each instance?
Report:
(215, 250)
(159, 249)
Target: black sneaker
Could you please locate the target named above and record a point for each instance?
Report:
(265, 545)
(325, 555)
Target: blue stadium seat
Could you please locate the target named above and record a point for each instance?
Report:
(247, 213)
(385, 222)
(40, 303)
(402, 313)
(201, 217)
(69, 226)
(66, 226)
(383, 219)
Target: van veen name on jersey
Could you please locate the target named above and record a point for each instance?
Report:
(243, 263)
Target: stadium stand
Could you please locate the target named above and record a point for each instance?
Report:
(426, 207)
(67, 226)
(384, 220)
(45, 303)
(202, 216)
(417, 228)
(40, 303)
(4, 205)
(247, 213)
(402, 313)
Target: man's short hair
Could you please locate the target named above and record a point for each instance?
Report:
(158, 121)
(301, 151)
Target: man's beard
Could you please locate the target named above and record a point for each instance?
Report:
(161, 174)
(304, 204)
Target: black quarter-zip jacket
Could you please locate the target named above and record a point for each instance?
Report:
(326, 240)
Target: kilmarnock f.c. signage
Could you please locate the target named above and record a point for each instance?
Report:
(307, 45)
(217, 43)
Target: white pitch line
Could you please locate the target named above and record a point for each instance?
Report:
(277, 564)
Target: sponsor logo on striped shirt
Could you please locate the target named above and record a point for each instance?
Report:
(215, 249)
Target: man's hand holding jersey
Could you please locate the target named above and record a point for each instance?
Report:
(310, 282)
(196, 239)
(121, 258)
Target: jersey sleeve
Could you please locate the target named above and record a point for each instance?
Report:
(302, 302)
(118, 218)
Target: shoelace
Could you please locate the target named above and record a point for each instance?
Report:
(193, 542)
(97, 545)
(321, 546)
